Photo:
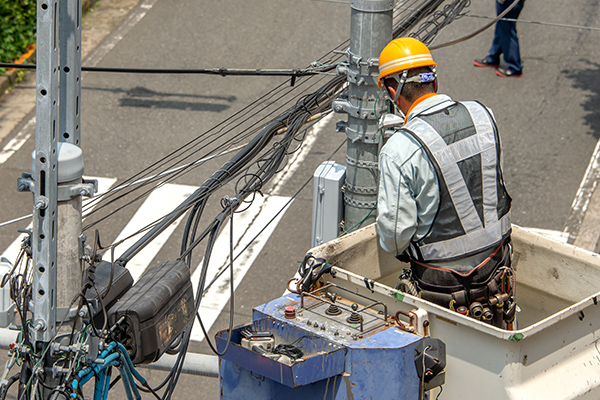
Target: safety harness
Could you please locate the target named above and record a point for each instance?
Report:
(486, 293)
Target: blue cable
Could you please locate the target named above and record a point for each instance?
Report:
(102, 373)
(88, 372)
(126, 358)
(129, 376)
(102, 384)
(126, 383)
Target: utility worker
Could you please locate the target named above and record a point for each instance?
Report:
(442, 203)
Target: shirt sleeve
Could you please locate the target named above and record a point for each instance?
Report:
(396, 207)
(408, 197)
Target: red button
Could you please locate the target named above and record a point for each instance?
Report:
(290, 312)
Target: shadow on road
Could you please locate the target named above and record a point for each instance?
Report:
(142, 97)
(588, 80)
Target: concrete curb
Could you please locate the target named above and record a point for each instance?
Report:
(9, 79)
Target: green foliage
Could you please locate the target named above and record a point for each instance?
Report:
(17, 27)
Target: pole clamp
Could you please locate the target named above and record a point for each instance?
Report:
(86, 188)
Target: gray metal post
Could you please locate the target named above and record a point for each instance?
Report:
(44, 172)
(57, 168)
(70, 191)
(370, 31)
(69, 271)
(70, 71)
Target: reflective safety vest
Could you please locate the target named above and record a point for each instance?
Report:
(463, 146)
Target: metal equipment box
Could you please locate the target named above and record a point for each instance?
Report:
(349, 351)
(328, 202)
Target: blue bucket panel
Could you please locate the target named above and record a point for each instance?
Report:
(322, 358)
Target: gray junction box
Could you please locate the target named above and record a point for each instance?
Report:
(328, 202)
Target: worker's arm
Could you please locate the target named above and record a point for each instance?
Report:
(408, 196)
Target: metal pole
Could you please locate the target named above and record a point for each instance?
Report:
(70, 172)
(370, 31)
(44, 173)
(56, 180)
(70, 71)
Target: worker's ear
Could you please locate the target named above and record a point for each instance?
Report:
(435, 87)
(392, 92)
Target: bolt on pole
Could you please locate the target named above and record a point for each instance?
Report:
(370, 32)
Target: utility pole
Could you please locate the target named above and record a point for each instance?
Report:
(56, 178)
(370, 32)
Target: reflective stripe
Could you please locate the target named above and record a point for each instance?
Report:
(405, 60)
(469, 243)
(460, 150)
(457, 188)
(489, 162)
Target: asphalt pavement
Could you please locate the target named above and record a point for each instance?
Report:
(549, 119)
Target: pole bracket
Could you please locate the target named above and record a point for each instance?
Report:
(87, 188)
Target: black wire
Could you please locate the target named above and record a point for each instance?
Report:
(264, 107)
(289, 350)
(4, 388)
(190, 71)
(274, 217)
(147, 389)
(263, 102)
(231, 205)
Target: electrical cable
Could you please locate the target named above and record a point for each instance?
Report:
(198, 71)
(526, 21)
(478, 31)
(208, 286)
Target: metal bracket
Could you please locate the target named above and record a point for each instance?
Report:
(342, 104)
(86, 188)
(361, 163)
(25, 183)
(360, 190)
(67, 314)
(369, 138)
(8, 317)
(82, 239)
(355, 76)
(341, 126)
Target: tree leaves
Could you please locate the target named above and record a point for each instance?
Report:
(17, 27)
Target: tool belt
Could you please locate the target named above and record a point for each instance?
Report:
(485, 293)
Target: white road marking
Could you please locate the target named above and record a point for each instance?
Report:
(12, 251)
(246, 226)
(166, 197)
(17, 142)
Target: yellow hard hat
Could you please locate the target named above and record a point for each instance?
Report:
(402, 54)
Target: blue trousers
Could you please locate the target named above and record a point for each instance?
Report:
(505, 38)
